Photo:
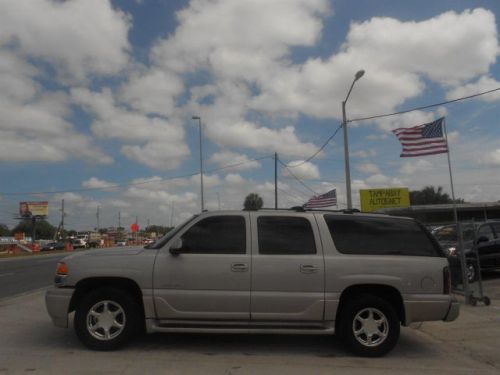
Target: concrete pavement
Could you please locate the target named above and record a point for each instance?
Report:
(30, 343)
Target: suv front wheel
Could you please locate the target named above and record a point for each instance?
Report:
(369, 325)
(106, 318)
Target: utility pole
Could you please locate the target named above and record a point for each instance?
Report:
(275, 180)
(201, 163)
(97, 216)
(62, 215)
(172, 215)
(119, 219)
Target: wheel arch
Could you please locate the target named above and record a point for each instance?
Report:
(386, 292)
(86, 285)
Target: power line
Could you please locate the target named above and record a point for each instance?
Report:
(318, 151)
(425, 106)
(298, 179)
(149, 181)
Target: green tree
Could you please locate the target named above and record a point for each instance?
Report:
(429, 195)
(44, 230)
(4, 230)
(158, 229)
(253, 202)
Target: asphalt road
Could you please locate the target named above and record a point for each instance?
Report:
(24, 274)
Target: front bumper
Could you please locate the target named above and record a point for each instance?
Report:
(453, 312)
(57, 301)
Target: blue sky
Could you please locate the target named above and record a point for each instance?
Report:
(97, 94)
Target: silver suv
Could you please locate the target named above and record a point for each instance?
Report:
(268, 271)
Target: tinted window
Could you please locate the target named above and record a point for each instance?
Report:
(485, 231)
(216, 235)
(285, 235)
(380, 236)
(496, 227)
(449, 233)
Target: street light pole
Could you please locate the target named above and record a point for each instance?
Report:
(358, 75)
(201, 163)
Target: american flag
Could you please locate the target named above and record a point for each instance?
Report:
(426, 139)
(323, 200)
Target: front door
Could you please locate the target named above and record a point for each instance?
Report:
(210, 278)
(288, 281)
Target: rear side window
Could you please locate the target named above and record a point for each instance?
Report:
(285, 235)
(380, 236)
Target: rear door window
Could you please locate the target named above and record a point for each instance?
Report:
(282, 235)
(380, 236)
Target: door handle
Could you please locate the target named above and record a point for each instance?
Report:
(308, 268)
(239, 267)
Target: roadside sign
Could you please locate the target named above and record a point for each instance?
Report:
(134, 228)
(374, 199)
(29, 209)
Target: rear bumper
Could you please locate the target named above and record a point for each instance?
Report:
(430, 307)
(57, 301)
(453, 312)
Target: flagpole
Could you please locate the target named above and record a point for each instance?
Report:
(461, 253)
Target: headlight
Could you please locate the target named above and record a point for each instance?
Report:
(452, 251)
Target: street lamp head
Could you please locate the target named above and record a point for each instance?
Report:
(359, 74)
(196, 118)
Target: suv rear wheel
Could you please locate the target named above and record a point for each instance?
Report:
(106, 318)
(369, 325)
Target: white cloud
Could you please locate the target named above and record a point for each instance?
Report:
(161, 143)
(79, 37)
(239, 37)
(301, 170)
(484, 83)
(95, 183)
(368, 168)
(33, 124)
(226, 158)
(415, 166)
(152, 91)
(491, 158)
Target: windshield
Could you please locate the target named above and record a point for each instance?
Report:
(163, 240)
(449, 233)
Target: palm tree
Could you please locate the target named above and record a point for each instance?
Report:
(253, 202)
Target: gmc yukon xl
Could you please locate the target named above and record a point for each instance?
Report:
(269, 271)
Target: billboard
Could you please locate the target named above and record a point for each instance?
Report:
(374, 199)
(29, 209)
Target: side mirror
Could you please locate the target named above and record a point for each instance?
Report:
(482, 239)
(176, 247)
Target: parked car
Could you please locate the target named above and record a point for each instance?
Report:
(268, 271)
(481, 241)
(53, 246)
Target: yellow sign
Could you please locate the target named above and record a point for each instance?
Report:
(374, 199)
(29, 209)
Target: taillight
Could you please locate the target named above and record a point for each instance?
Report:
(62, 269)
(446, 281)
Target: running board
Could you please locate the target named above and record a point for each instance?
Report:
(305, 328)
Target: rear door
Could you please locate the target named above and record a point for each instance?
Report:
(287, 268)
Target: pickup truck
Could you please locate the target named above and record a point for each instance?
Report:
(360, 276)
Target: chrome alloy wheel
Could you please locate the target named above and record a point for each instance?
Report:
(370, 327)
(106, 320)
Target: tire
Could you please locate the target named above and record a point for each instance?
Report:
(380, 319)
(107, 318)
(471, 271)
